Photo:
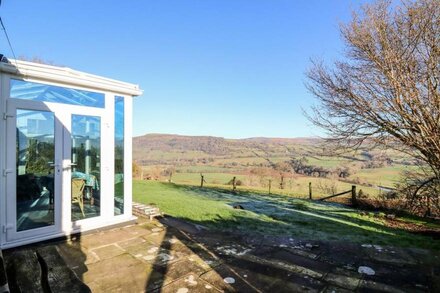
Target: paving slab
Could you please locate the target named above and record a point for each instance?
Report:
(125, 279)
(76, 256)
(350, 283)
(132, 242)
(156, 237)
(274, 279)
(139, 230)
(105, 267)
(189, 283)
(185, 267)
(91, 241)
(303, 252)
(108, 251)
(334, 289)
(371, 286)
(303, 261)
(391, 255)
(409, 279)
(156, 257)
(142, 250)
(225, 279)
(424, 256)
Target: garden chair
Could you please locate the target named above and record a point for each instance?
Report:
(78, 185)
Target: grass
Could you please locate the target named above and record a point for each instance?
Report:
(273, 215)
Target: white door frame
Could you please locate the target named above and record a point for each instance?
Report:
(11, 172)
(66, 119)
(62, 178)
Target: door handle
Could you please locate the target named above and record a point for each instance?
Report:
(7, 227)
(56, 167)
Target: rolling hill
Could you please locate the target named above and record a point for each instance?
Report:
(169, 149)
(256, 161)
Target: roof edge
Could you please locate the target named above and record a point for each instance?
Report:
(68, 76)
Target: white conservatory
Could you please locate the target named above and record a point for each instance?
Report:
(65, 152)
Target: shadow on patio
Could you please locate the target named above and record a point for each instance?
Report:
(172, 255)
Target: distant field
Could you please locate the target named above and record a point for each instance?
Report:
(330, 162)
(366, 179)
(298, 186)
(386, 176)
(203, 169)
(254, 161)
(210, 178)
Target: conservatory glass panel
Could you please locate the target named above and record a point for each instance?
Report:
(119, 156)
(86, 167)
(35, 156)
(26, 90)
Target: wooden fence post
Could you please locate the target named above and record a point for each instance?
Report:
(353, 195)
(270, 184)
(310, 190)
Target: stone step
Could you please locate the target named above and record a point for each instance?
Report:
(41, 269)
(55, 271)
(24, 271)
(4, 288)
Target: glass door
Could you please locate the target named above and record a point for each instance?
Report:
(85, 154)
(33, 170)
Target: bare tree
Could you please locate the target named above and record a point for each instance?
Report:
(169, 172)
(386, 89)
(136, 170)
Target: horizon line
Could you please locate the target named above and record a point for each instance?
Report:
(224, 137)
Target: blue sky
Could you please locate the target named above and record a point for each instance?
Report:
(230, 68)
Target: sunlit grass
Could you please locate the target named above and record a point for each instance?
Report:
(272, 215)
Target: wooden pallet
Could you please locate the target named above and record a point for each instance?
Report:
(146, 211)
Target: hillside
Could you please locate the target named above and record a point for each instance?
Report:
(170, 149)
(291, 162)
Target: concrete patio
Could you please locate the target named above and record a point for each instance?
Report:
(172, 256)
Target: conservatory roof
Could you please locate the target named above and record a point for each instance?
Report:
(30, 70)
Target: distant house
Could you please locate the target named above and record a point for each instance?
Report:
(65, 152)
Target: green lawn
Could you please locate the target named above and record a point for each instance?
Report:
(273, 215)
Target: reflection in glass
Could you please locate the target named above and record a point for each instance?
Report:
(26, 90)
(35, 157)
(119, 155)
(86, 166)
